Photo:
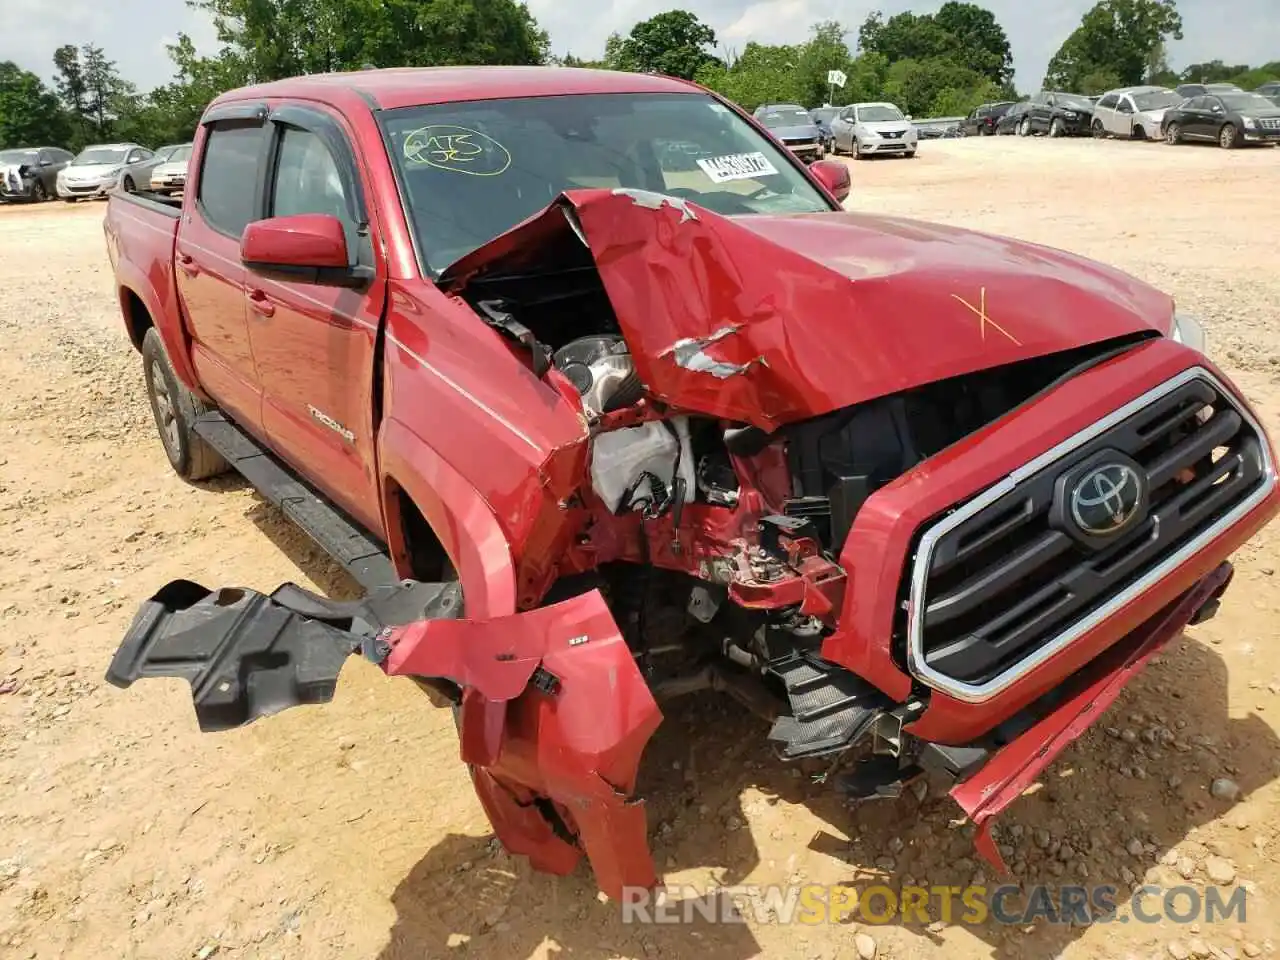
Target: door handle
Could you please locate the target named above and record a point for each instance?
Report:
(187, 264)
(261, 304)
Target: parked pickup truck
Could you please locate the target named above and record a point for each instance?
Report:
(595, 432)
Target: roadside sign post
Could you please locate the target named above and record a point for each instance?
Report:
(835, 78)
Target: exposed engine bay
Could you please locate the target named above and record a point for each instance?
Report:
(717, 543)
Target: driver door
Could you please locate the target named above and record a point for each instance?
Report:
(314, 345)
(842, 129)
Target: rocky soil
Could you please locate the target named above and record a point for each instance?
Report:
(350, 831)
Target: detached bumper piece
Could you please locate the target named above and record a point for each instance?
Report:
(553, 714)
(1049, 727)
(247, 655)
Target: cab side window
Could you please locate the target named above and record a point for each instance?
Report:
(228, 174)
(307, 179)
(1109, 102)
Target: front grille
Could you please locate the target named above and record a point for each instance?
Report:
(801, 142)
(1006, 580)
(894, 135)
(1271, 123)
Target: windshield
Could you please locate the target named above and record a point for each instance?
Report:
(1245, 102)
(878, 113)
(825, 114)
(1157, 100)
(776, 117)
(100, 155)
(1072, 100)
(177, 154)
(18, 156)
(472, 170)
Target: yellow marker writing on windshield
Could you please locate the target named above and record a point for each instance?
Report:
(456, 149)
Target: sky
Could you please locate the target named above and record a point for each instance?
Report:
(134, 32)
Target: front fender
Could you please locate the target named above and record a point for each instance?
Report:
(466, 526)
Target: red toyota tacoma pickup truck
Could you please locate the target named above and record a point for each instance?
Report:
(605, 400)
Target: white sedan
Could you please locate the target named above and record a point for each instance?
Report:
(873, 129)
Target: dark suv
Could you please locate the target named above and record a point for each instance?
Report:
(1057, 114)
(981, 122)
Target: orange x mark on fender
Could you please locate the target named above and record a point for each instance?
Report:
(983, 319)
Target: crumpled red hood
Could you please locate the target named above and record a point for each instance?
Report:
(772, 319)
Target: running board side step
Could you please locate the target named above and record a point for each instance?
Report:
(359, 554)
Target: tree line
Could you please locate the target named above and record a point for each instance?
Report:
(939, 64)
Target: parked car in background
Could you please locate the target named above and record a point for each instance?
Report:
(1232, 119)
(822, 117)
(1200, 89)
(31, 173)
(791, 124)
(170, 176)
(1009, 121)
(1271, 91)
(872, 129)
(1057, 114)
(1133, 112)
(981, 122)
(101, 167)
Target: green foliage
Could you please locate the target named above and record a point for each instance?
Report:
(925, 87)
(1118, 40)
(673, 43)
(963, 34)
(272, 39)
(30, 115)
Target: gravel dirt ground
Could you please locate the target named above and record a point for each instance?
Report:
(351, 830)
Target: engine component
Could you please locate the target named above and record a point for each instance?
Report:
(600, 368)
(633, 467)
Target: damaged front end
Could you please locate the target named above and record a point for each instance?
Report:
(787, 418)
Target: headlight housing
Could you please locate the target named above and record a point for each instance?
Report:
(1249, 122)
(1188, 331)
(1069, 114)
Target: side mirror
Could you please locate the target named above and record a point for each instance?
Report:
(46, 163)
(308, 247)
(908, 116)
(833, 175)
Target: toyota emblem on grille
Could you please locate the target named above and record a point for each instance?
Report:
(1106, 499)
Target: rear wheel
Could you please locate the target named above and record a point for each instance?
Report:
(1227, 138)
(1024, 128)
(1173, 134)
(38, 193)
(129, 185)
(175, 409)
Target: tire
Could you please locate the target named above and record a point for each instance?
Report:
(1136, 132)
(38, 193)
(911, 154)
(68, 199)
(175, 409)
(1024, 128)
(1228, 137)
(1173, 134)
(857, 151)
(1056, 129)
(128, 185)
(1098, 130)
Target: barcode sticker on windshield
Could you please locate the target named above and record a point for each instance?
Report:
(736, 166)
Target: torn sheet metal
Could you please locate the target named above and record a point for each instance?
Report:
(827, 310)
